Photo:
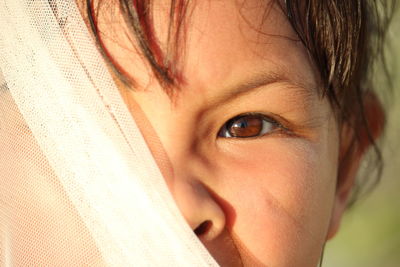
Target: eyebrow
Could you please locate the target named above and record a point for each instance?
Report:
(258, 81)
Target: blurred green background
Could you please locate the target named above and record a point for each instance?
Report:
(370, 231)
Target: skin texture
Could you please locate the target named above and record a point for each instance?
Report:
(271, 200)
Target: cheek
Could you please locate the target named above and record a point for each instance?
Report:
(282, 192)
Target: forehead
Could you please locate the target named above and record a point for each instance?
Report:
(230, 41)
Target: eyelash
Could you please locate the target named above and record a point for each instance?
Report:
(275, 126)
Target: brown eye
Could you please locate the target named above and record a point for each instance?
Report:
(245, 126)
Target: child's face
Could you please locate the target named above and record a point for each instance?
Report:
(270, 197)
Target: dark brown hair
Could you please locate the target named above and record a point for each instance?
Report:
(343, 38)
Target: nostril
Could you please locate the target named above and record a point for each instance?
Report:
(203, 228)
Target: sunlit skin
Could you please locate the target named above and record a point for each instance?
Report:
(269, 189)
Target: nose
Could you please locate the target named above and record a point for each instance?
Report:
(196, 202)
(200, 209)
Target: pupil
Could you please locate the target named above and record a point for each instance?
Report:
(248, 126)
(241, 124)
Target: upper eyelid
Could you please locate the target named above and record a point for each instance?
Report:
(296, 94)
(268, 117)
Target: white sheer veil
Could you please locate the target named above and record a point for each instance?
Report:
(78, 185)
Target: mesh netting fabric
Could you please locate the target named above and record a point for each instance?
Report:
(78, 185)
